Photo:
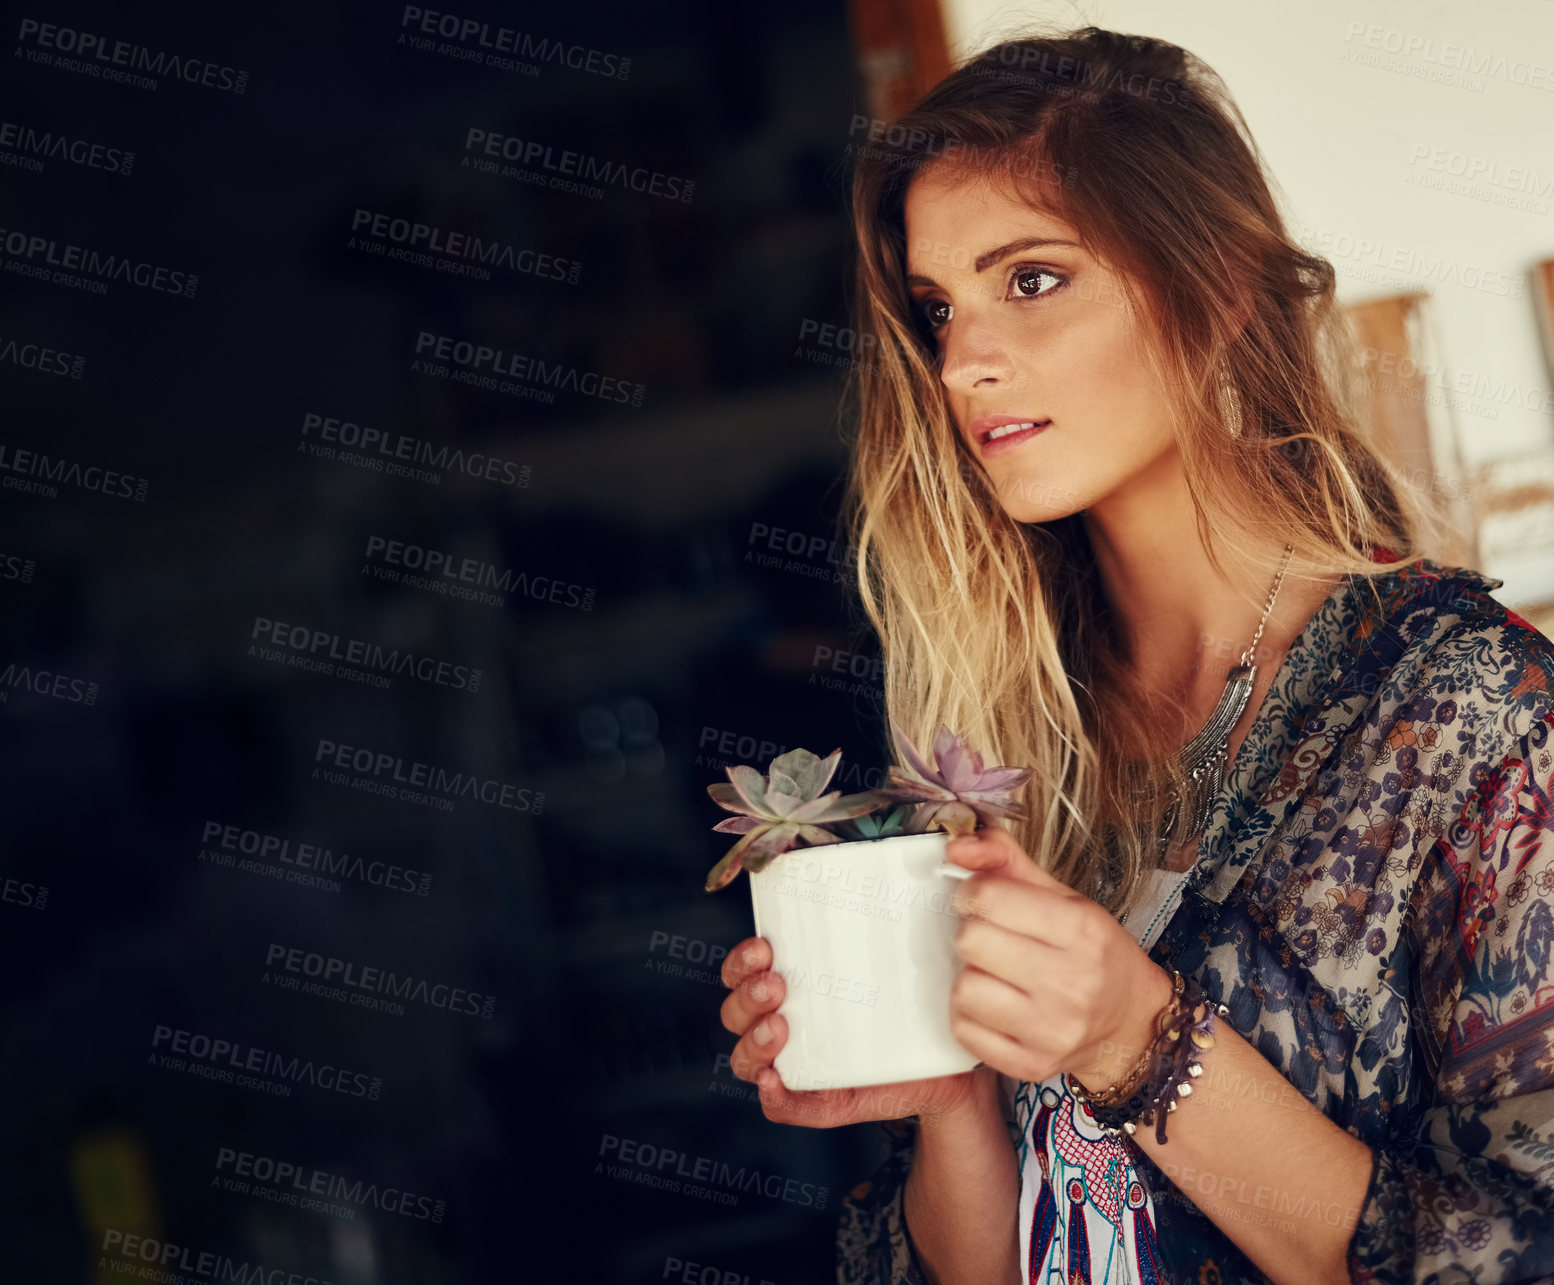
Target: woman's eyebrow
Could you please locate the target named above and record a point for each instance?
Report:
(985, 261)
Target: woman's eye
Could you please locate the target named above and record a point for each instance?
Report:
(936, 312)
(1023, 280)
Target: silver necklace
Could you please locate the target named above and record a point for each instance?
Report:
(1206, 757)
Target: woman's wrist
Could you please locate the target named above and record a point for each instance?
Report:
(979, 1105)
(1118, 1057)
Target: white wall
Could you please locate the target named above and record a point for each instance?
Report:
(1351, 105)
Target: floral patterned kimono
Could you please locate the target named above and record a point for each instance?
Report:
(1374, 903)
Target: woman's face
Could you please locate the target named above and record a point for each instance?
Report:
(1034, 333)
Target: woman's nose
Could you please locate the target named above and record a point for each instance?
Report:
(972, 355)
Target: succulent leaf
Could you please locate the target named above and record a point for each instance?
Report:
(780, 802)
(956, 767)
(726, 796)
(908, 751)
(808, 771)
(877, 826)
(998, 778)
(779, 782)
(751, 786)
(722, 874)
(816, 836)
(837, 806)
(908, 788)
(778, 840)
(953, 817)
(764, 841)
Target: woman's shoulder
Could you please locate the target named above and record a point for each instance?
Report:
(1433, 639)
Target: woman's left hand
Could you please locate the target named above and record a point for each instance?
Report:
(1050, 980)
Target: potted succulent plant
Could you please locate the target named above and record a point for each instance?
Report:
(854, 894)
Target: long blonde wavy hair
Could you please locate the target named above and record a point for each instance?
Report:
(1000, 629)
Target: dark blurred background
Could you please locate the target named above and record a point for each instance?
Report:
(228, 440)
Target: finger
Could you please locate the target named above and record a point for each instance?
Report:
(758, 1046)
(987, 849)
(757, 994)
(751, 956)
(814, 1108)
(992, 1002)
(1000, 1052)
(1015, 957)
(994, 848)
(1040, 913)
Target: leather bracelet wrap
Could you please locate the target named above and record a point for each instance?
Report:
(1172, 1063)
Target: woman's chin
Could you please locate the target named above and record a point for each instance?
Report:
(1028, 500)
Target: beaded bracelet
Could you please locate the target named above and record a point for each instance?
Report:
(1173, 1063)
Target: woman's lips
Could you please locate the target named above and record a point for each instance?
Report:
(998, 445)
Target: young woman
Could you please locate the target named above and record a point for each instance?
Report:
(1117, 517)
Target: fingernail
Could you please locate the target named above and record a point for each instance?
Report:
(763, 1034)
(760, 991)
(766, 1077)
(751, 955)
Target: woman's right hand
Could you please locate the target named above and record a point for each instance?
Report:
(749, 1011)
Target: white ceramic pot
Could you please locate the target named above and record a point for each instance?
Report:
(862, 934)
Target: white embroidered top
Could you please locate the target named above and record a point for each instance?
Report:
(1085, 1216)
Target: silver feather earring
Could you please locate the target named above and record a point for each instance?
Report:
(1229, 400)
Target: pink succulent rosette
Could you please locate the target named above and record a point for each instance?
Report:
(784, 810)
(958, 795)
